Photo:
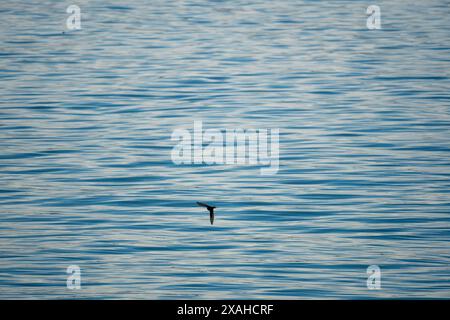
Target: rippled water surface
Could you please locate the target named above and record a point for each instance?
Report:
(86, 176)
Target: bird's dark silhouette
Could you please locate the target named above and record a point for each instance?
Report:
(210, 209)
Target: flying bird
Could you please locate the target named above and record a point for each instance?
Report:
(210, 209)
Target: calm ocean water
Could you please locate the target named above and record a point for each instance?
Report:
(86, 176)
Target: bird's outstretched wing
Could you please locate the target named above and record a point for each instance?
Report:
(211, 216)
(202, 204)
(205, 205)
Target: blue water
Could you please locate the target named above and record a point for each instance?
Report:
(86, 176)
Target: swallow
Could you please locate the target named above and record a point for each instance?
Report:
(210, 209)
